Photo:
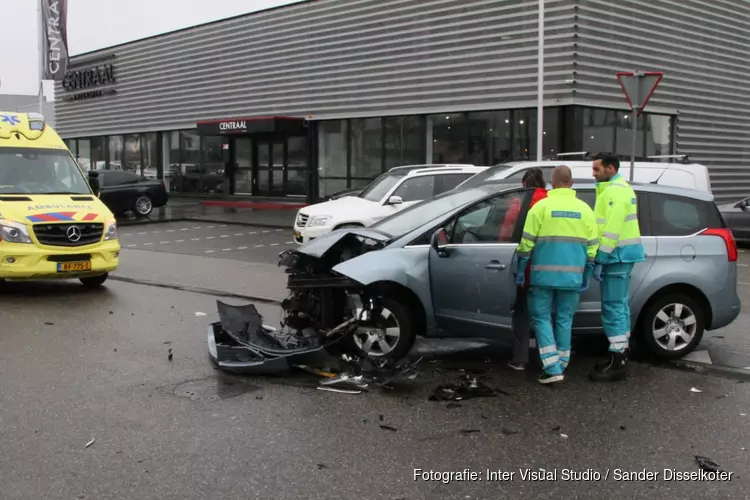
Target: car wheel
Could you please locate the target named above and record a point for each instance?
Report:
(392, 338)
(143, 205)
(673, 326)
(94, 281)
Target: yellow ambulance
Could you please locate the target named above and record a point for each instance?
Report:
(52, 223)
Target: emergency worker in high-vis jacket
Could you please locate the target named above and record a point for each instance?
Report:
(620, 249)
(560, 238)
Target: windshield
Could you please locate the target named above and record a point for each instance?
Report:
(380, 186)
(491, 174)
(418, 215)
(40, 171)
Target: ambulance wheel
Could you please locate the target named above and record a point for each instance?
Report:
(94, 281)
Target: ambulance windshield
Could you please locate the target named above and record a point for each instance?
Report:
(29, 171)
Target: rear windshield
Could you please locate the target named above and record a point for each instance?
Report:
(40, 171)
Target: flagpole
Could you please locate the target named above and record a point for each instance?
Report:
(540, 86)
(40, 26)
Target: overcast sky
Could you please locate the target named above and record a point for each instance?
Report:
(95, 24)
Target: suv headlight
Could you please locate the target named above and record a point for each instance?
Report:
(14, 232)
(320, 220)
(110, 230)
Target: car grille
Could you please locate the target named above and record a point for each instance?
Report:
(56, 235)
(302, 219)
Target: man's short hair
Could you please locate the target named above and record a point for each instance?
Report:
(609, 160)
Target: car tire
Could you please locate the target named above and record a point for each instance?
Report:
(143, 206)
(94, 281)
(404, 318)
(685, 317)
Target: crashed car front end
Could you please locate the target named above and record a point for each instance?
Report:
(322, 309)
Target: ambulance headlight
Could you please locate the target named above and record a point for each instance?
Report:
(13, 232)
(110, 230)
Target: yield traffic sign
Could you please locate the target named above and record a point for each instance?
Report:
(638, 87)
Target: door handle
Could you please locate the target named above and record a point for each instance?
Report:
(495, 265)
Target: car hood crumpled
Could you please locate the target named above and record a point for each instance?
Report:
(319, 247)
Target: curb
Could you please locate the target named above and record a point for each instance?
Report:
(193, 289)
(257, 205)
(147, 222)
(706, 369)
(237, 223)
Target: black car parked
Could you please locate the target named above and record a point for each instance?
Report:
(123, 192)
(737, 217)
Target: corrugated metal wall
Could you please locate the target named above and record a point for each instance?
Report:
(703, 47)
(333, 58)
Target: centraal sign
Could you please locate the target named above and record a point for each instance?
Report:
(233, 126)
(89, 80)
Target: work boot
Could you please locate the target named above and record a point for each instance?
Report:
(614, 369)
(546, 378)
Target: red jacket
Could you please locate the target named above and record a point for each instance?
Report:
(539, 194)
(511, 217)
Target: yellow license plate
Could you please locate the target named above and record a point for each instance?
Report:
(298, 235)
(73, 266)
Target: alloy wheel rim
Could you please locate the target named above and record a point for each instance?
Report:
(674, 327)
(143, 205)
(379, 340)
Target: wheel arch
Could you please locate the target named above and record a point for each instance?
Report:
(397, 290)
(677, 288)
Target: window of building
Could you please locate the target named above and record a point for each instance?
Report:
(658, 135)
(192, 171)
(599, 129)
(298, 177)
(131, 159)
(115, 153)
(98, 153)
(332, 138)
(404, 141)
(150, 155)
(367, 148)
(171, 159)
(212, 165)
(552, 133)
(624, 135)
(447, 138)
(84, 154)
(675, 216)
(489, 137)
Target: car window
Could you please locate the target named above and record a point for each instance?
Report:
(416, 188)
(678, 216)
(446, 182)
(380, 186)
(482, 177)
(490, 221)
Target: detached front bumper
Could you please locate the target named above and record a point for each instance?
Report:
(31, 262)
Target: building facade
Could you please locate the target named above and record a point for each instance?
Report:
(318, 96)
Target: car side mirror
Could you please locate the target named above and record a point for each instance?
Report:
(395, 200)
(742, 205)
(94, 182)
(439, 242)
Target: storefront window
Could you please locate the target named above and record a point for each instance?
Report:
(489, 137)
(115, 153)
(332, 161)
(367, 151)
(171, 159)
(84, 154)
(132, 156)
(98, 152)
(599, 130)
(150, 148)
(624, 135)
(213, 165)
(658, 135)
(404, 141)
(191, 172)
(446, 138)
(552, 133)
(524, 133)
(298, 176)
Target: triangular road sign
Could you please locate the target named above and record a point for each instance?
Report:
(639, 87)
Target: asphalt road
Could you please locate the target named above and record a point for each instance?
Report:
(238, 242)
(78, 366)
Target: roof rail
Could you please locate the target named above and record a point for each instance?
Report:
(585, 154)
(683, 158)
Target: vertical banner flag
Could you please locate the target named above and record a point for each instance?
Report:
(54, 39)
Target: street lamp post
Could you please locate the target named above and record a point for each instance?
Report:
(540, 86)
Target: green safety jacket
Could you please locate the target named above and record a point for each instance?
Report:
(560, 237)
(616, 212)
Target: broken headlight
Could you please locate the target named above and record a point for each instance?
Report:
(110, 231)
(13, 232)
(319, 221)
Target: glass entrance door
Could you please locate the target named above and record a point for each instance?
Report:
(244, 179)
(271, 166)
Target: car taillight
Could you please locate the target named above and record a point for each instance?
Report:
(728, 237)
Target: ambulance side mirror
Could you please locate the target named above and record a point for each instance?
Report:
(94, 182)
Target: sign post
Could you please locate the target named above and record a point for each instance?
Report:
(638, 88)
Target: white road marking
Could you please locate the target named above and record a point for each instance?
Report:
(194, 239)
(141, 233)
(241, 248)
(239, 234)
(128, 234)
(133, 245)
(289, 243)
(254, 232)
(178, 241)
(264, 232)
(147, 244)
(156, 232)
(210, 237)
(257, 246)
(163, 242)
(278, 230)
(223, 225)
(184, 229)
(170, 230)
(274, 244)
(210, 227)
(224, 236)
(210, 251)
(196, 227)
(225, 249)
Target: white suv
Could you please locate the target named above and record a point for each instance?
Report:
(393, 191)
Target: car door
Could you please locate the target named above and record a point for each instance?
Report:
(473, 284)
(119, 190)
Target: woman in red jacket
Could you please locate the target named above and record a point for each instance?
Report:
(521, 319)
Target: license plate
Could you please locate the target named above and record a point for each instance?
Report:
(298, 235)
(73, 266)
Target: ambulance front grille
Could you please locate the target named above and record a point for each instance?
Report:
(62, 235)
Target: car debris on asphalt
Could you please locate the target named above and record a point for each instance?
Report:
(469, 387)
(90, 443)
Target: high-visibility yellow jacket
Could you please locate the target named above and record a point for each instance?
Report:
(560, 238)
(616, 212)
